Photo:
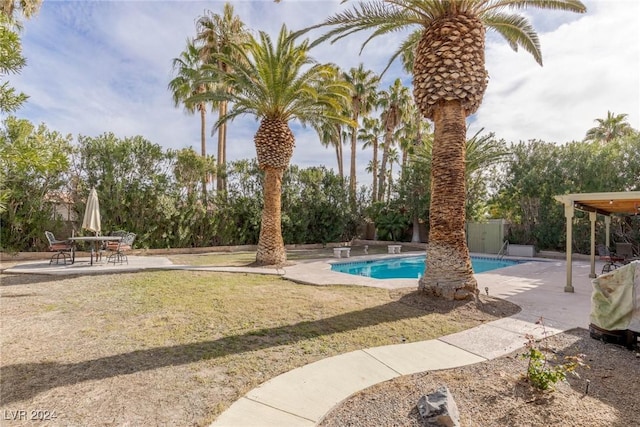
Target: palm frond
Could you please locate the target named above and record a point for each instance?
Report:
(568, 5)
(517, 31)
(364, 16)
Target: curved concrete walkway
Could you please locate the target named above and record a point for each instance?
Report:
(303, 396)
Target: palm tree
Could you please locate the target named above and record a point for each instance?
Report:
(330, 131)
(614, 126)
(362, 86)
(330, 134)
(394, 103)
(449, 81)
(216, 34)
(185, 85)
(370, 133)
(276, 82)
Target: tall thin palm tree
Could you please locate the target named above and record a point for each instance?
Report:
(276, 82)
(394, 103)
(371, 133)
(614, 126)
(449, 81)
(363, 90)
(187, 83)
(216, 34)
(330, 131)
(330, 134)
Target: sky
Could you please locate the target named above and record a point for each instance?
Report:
(103, 66)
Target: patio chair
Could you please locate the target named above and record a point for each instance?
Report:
(120, 249)
(611, 260)
(62, 248)
(113, 245)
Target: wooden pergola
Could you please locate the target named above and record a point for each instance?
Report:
(606, 204)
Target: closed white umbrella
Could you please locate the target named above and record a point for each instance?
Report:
(91, 219)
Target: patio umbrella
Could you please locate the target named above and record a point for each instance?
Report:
(91, 219)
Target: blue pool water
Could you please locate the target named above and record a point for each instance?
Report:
(410, 267)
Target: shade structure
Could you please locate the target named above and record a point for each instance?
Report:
(625, 202)
(91, 220)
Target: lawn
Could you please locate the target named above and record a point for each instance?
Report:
(178, 347)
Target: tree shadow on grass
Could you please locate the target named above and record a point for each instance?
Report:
(24, 381)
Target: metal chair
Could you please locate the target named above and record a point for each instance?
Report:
(62, 248)
(611, 260)
(113, 245)
(120, 248)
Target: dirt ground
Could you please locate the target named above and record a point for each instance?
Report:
(496, 394)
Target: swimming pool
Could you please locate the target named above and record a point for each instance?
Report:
(410, 267)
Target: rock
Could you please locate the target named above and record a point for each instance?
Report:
(439, 409)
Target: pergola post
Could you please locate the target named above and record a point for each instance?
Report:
(568, 213)
(592, 219)
(607, 228)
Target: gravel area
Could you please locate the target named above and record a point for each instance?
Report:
(497, 393)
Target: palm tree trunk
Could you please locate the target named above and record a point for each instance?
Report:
(223, 172)
(271, 245)
(448, 272)
(339, 161)
(374, 170)
(221, 112)
(383, 166)
(203, 147)
(352, 174)
(338, 146)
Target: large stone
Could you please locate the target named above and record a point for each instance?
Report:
(439, 409)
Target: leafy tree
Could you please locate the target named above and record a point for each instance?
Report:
(11, 61)
(189, 168)
(449, 83)
(34, 165)
(315, 206)
(134, 183)
(240, 209)
(276, 82)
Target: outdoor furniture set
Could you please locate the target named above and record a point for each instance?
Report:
(117, 245)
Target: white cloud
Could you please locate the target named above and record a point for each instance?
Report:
(591, 66)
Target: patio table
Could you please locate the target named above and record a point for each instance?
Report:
(94, 247)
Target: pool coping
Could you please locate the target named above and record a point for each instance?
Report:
(319, 273)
